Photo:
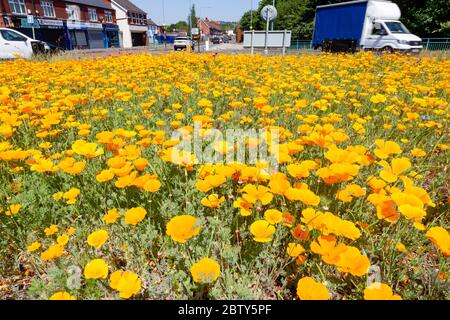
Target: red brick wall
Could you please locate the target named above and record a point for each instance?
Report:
(8, 9)
(60, 10)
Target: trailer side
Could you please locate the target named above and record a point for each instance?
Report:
(340, 22)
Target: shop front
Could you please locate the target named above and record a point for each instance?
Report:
(21, 24)
(111, 35)
(52, 32)
(77, 35)
(48, 30)
(85, 35)
(95, 35)
(138, 35)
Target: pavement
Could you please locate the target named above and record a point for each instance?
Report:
(225, 48)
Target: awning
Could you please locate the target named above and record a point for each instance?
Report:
(56, 24)
(83, 25)
(110, 27)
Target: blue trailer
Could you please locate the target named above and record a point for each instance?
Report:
(364, 24)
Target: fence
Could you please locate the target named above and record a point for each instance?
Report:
(431, 44)
(434, 44)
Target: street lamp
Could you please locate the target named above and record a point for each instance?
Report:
(251, 14)
(190, 18)
(164, 15)
(200, 29)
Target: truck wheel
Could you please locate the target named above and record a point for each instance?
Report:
(319, 48)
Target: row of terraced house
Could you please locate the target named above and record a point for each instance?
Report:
(78, 24)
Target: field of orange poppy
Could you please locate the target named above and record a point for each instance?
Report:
(98, 200)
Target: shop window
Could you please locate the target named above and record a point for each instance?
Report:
(48, 8)
(18, 6)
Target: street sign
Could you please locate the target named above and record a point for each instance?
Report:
(269, 13)
(194, 31)
(25, 24)
(267, 39)
(30, 19)
(276, 39)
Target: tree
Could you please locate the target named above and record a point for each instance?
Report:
(180, 25)
(246, 22)
(192, 19)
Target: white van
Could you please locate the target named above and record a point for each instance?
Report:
(14, 44)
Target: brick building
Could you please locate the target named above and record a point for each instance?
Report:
(66, 24)
(209, 27)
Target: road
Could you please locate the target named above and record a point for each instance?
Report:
(225, 48)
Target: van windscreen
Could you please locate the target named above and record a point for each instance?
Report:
(396, 27)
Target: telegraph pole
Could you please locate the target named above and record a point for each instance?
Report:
(251, 14)
(190, 18)
(33, 13)
(164, 15)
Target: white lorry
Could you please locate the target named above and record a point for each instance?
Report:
(14, 44)
(363, 25)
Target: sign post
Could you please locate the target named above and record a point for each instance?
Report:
(252, 49)
(30, 20)
(195, 32)
(268, 13)
(274, 39)
(266, 49)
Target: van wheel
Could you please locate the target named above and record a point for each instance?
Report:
(319, 48)
(389, 50)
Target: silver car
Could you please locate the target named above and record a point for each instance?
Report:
(182, 43)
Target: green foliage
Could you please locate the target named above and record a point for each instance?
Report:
(192, 19)
(180, 25)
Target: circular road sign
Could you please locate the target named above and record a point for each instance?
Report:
(269, 13)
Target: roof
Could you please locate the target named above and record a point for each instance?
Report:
(130, 6)
(150, 22)
(347, 3)
(93, 3)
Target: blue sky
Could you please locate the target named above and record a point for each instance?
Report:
(176, 10)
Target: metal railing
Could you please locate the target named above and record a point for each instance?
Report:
(300, 45)
(431, 44)
(434, 44)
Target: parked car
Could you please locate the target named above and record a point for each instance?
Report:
(362, 25)
(14, 44)
(215, 40)
(182, 43)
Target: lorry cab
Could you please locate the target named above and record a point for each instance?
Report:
(14, 44)
(391, 35)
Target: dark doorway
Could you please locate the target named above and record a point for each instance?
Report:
(138, 39)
